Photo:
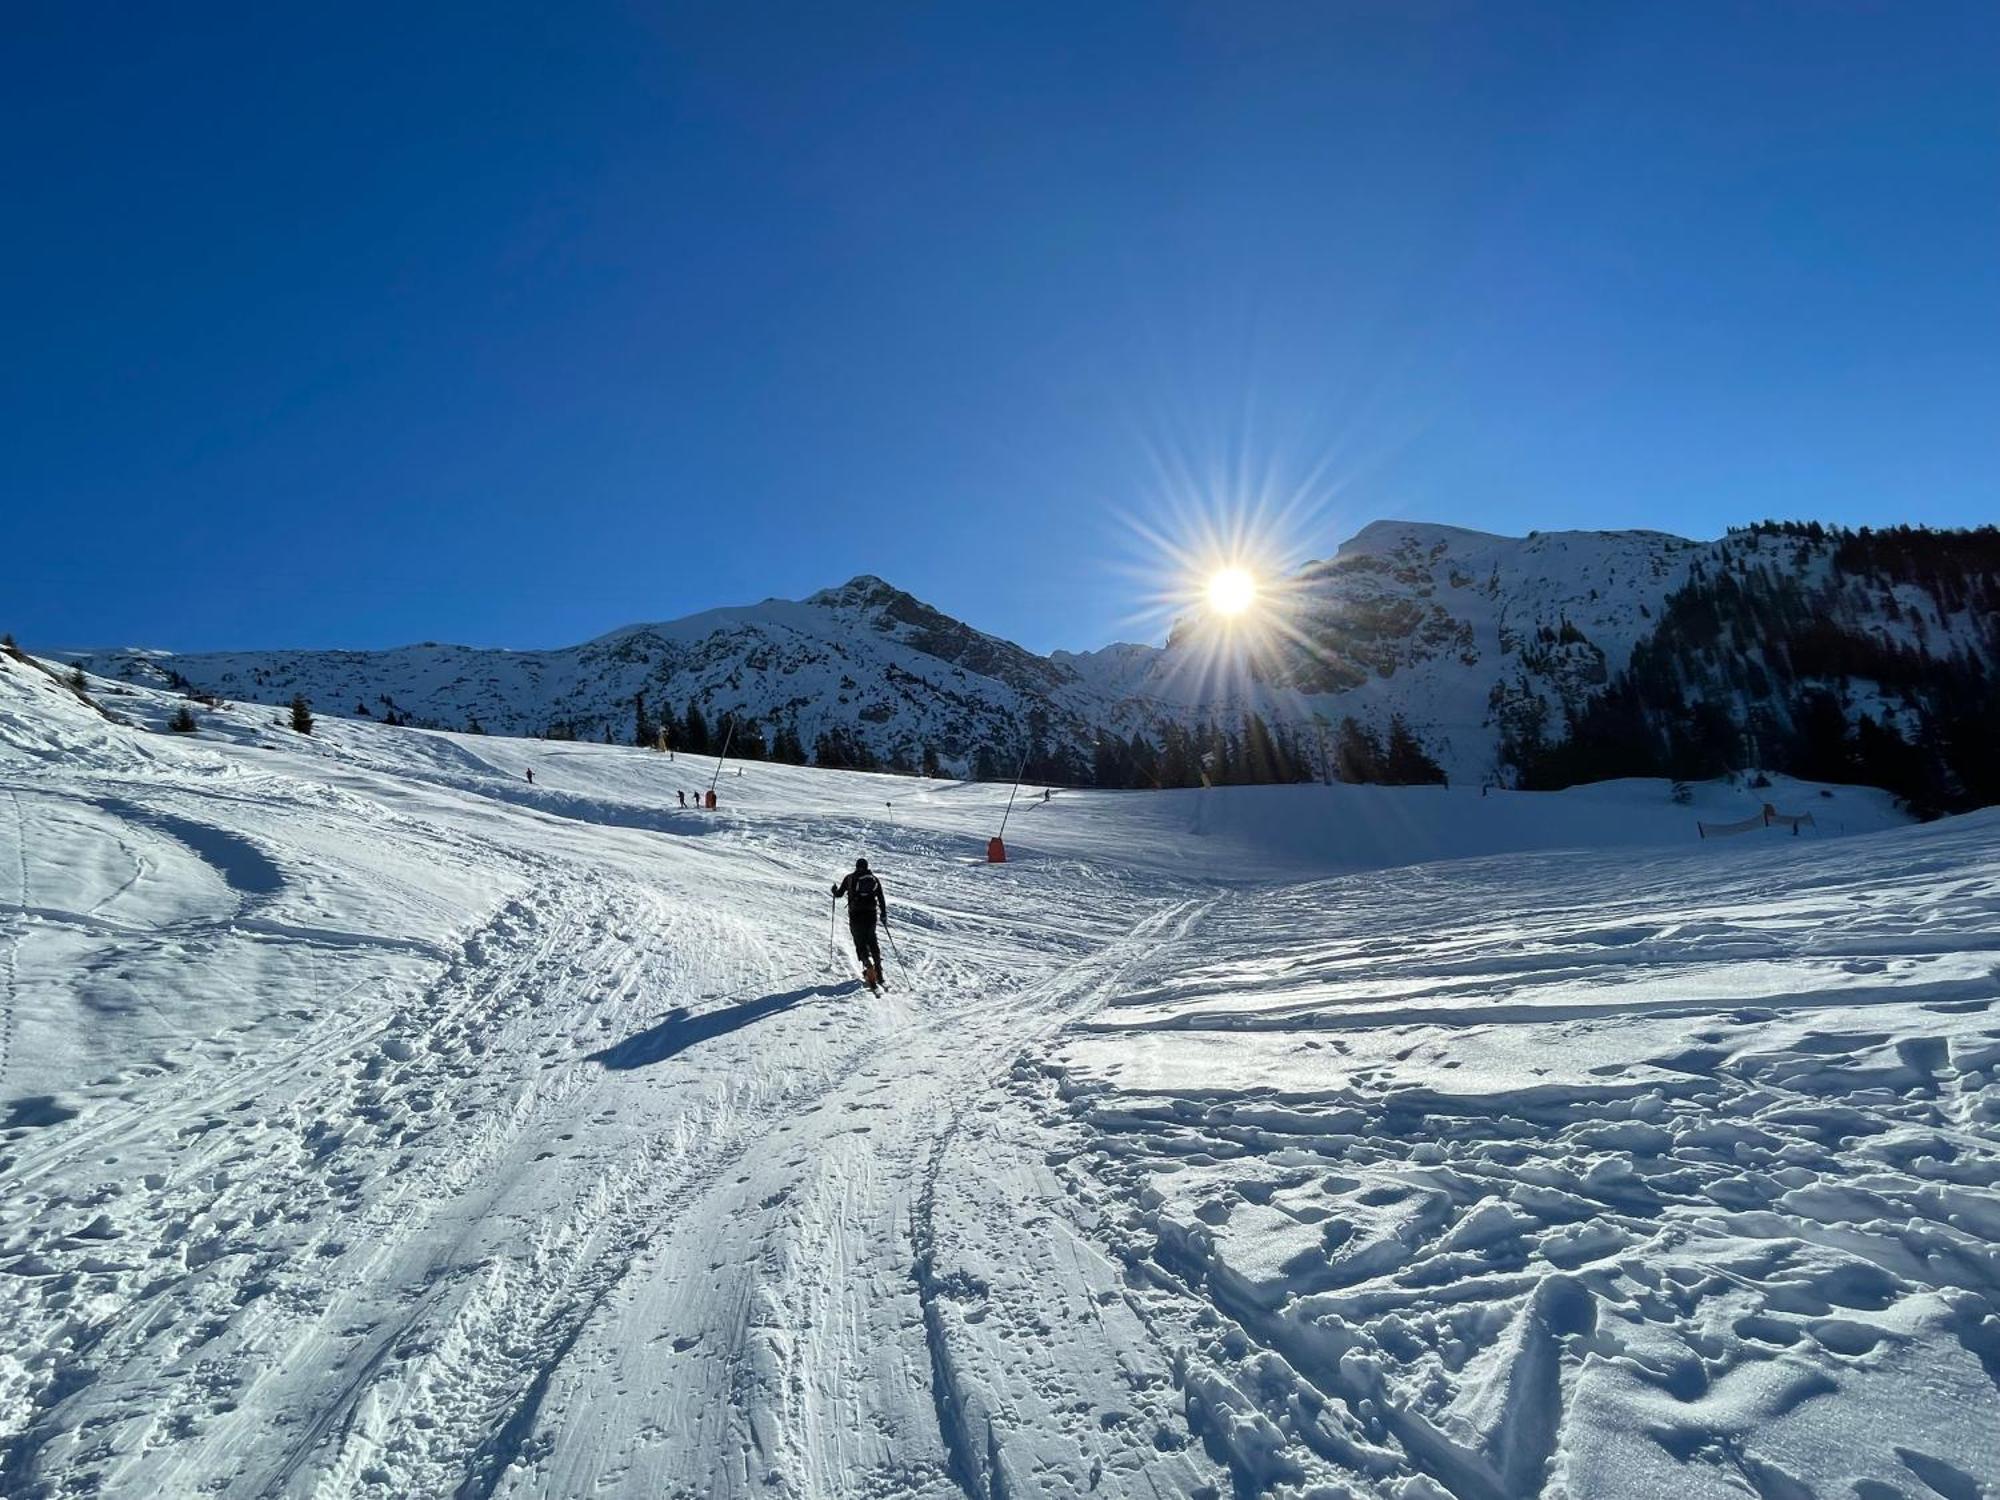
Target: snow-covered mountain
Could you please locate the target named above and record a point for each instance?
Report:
(1492, 651)
(1421, 621)
(864, 668)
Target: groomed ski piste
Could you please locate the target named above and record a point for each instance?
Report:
(374, 1123)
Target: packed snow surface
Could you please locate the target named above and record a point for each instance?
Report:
(373, 1122)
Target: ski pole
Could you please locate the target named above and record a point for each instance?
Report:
(832, 942)
(895, 950)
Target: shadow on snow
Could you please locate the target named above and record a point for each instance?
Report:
(243, 867)
(678, 1030)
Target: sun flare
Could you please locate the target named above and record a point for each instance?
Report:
(1221, 568)
(1231, 591)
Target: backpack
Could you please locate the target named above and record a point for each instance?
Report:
(862, 894)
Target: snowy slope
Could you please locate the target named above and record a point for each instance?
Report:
(1470, 638)
(1687, 1188)
(375, 1122)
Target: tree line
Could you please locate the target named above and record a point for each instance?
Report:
(1242, 752)
(1245, 752)
(1877, 669)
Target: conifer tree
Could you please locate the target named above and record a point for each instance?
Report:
(1357, 752)
(1108, 762)
(1405, 762)
(838, 749)
(1143, 761)
(1177, 764)
(1263, 759)
(788, 748)
(302, 719)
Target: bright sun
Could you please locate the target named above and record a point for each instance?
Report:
(1231, 591)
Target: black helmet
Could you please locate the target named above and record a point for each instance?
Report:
(861, 864)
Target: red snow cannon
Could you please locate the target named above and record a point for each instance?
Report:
(996, 852)
(708, 799)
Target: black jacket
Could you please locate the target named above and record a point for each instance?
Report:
(864, 898)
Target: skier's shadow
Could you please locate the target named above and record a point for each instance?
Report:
(677, 1031)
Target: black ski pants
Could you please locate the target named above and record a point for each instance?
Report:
(865, 947)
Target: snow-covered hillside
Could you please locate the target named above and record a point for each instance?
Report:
(376, 1122)
(1424, 621)
(864, 660)
(1488, 648)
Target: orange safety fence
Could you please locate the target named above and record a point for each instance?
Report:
(1769, 817)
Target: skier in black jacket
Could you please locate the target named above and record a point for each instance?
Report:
(865, 904)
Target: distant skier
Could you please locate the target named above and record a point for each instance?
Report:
(683, 796)
(531, 776)
(865, 904)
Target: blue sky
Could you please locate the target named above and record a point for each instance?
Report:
(355, 325)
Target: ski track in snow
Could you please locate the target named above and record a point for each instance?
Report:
(9, 996)
(377, 1125)
(1730, 1226)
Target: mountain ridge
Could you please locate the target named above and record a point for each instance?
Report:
(1482, 650)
